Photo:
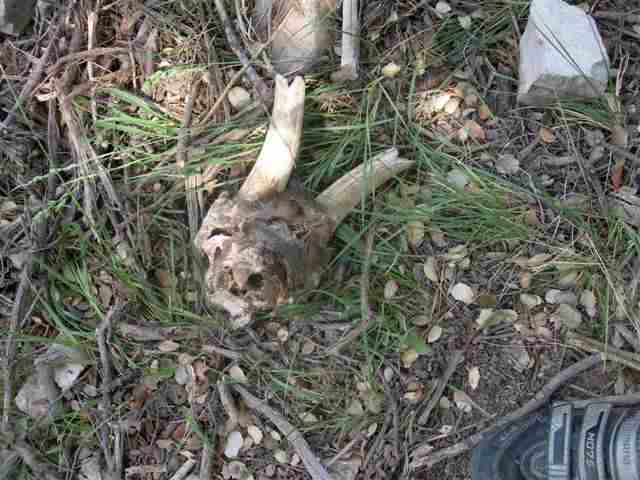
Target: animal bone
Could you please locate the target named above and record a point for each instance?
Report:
(267, 242)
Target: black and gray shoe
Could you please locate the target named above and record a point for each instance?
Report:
(597, 440)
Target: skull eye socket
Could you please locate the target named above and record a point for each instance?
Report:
(255, 281)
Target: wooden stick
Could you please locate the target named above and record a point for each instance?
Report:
(311, 462)
(422, 456)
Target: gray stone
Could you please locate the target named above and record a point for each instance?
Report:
(561, 55)
(15, 15)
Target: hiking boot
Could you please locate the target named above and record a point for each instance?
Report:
(593, 440)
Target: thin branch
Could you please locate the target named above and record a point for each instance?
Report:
(261, 88)
(18, 314)
(454, 361)
(194, 198)
(311, 462)
(103, 333)
(35, 76)
(422, 458)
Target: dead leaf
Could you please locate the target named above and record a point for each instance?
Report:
(462, 401)
(237, 374)
(355, 408)
(566, 316)
(168, 346)
(619, 136)
(475, 130)
(430, 269)
(484, 112)
(408, 357)
(474, 377)
(588, 301)
(617, 175)
(255, 433)
(390, 289)
(529, 300)
(415, 233)
(462, 293)
(421, 320)
(546, 135)
(391, 70)
(434, 334)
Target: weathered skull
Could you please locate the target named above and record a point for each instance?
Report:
(261, 252)
(266, 243)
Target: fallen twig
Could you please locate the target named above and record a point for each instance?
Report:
(454, 361)
(103, 333)
(194, 198)
(18, 320)
(311, 462)
(608, 352)
(35, 76)
(424, 457)
(264, 92)
(88, 54)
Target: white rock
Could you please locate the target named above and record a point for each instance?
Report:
(233, 444)
(561, 54)
(239, 98)
(15, 15)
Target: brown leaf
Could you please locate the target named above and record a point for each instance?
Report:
(546, 135)
(475, 130)
(617, 175)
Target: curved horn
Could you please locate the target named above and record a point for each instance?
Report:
(277, 158)
(340, 198)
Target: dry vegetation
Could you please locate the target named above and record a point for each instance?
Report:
(451, 295)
